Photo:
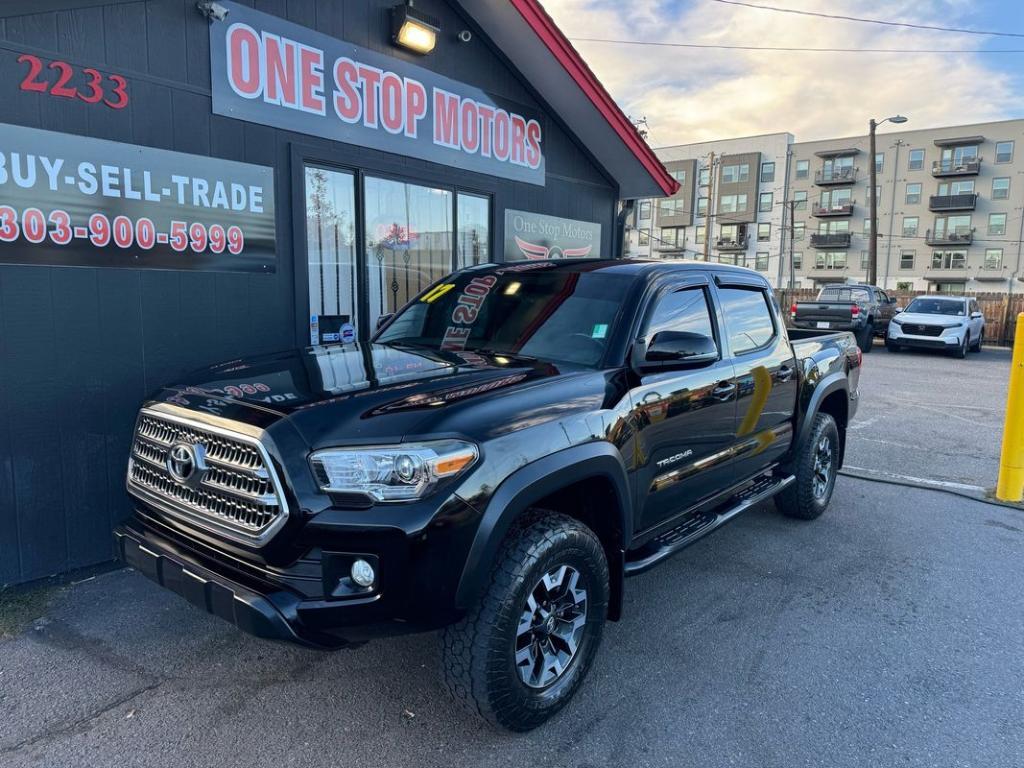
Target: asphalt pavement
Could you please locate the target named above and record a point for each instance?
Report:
(886, 633)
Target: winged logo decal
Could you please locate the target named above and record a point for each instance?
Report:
(535, 251)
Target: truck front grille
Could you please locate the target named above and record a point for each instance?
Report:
(216, 479)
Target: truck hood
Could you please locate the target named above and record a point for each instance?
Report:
(368, 393)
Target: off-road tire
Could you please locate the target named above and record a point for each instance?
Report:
(866, 338)
(479, 651)
(800, 499)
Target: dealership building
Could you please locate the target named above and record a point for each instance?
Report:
(188, 183)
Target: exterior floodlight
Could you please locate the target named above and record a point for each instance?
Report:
(414, 30)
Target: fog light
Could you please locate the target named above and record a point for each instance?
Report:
(362, 573)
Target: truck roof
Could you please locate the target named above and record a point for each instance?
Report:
(638, 267)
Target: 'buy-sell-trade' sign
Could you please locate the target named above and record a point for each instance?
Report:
(270, 71)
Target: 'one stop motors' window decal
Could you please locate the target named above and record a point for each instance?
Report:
(75, 201)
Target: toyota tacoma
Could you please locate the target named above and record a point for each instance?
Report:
(506, 450)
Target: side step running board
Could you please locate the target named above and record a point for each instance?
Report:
(697, 526)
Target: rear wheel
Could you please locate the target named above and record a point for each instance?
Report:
(817, 463)
(866, 339)
(520, 654)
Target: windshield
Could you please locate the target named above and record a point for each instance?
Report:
(937, 307)
(554, 315)
(856, 295)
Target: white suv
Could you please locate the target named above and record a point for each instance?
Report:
(953, 323)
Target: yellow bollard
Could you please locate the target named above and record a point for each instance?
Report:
(1011, 462)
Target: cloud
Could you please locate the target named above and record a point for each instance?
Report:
(690, 95)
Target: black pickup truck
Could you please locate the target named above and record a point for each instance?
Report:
(864, 310)
(510, 446)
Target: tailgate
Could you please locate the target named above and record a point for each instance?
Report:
(833, 315)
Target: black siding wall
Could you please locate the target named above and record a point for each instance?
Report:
(81, 347)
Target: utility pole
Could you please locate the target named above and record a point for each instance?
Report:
(892, 213)
(711, 200)
(792, 237)
(873, 242)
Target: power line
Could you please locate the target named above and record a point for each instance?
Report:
(883, 22)
(791, 49)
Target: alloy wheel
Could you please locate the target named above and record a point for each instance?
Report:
(822, 467)
(551, 627)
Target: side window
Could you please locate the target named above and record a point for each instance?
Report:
(747, 317)
(683, 310)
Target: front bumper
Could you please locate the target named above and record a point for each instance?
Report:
(951, 339)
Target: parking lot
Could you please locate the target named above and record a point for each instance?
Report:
(886, 633)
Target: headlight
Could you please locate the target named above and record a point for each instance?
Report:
(394, 472)
(896, 321)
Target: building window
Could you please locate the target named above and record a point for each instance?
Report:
(733, 233)
(679, 175)
(673, 206)
(764, 232)
(705, 177)
(798, 260)
(952, 226)
(767, 173)
(864, 259)
(803, 169)
(798, 230)
(1001, 188)
(761, 261)
(702, 206)
(669, 236)
(764, 202)
(867, 227)
(877, 192)
(835, 198)
(913, 193)
(733, 204)
(949, 260)
(732, 174)
(915, 162)
(800, 200)
(836, 227)
(907, 259)
(951, 288)
(474, 216)
(644, 237)
(699, 235)
(645, 210)
(993, 258)
(997, 223)
(963, 187)
(910, 226)
(1004, 151)
(879, 161)
(830, 260)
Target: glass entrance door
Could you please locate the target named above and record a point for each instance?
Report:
(331, 253)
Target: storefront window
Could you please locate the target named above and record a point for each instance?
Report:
(474, 216)
(330, 243)
(408, 241)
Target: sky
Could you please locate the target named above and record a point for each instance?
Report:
(690, 95)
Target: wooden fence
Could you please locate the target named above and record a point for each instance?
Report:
(997, 307)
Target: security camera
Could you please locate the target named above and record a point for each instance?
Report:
(465, 36)
(211, 10)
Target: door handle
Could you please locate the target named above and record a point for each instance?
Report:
(723, 390)
(785, 373)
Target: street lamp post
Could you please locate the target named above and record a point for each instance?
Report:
(872, 276)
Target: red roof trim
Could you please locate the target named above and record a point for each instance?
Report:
(549, 33)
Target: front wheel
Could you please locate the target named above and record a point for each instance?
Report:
(817, 462)
(522, 652)
(891, 345)
(961, 351)
(981, 340)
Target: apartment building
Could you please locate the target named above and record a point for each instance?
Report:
(733, 189)
(950, 209)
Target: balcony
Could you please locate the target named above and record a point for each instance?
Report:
(952, 202)
(724, 244)
(837, 209)
(824, 178)
(831, 240)
(970, 167)
(949, 238)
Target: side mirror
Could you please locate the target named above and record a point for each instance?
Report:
(384, 320)
(976, 315)
(681, 347)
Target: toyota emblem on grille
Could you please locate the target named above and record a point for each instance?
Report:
(181, 462)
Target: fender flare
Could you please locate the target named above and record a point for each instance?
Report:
(836, 381)
(528, 485)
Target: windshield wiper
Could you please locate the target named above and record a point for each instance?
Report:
(499, 353)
